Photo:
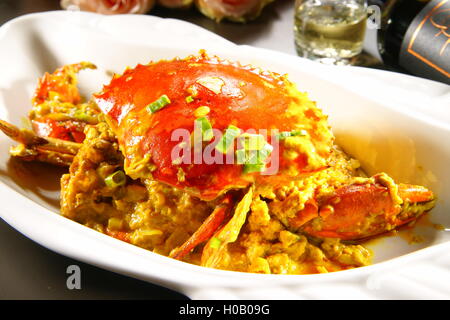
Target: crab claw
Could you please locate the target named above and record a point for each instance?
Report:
(57, 110)
(61, 84)
(359, 211)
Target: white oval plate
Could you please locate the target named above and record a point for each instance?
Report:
(391, 122)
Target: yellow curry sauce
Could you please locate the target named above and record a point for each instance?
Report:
(159, 218)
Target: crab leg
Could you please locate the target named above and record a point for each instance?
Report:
(359, 211)
(34, 148)
(206, 230)
(39, 155)
(215, 249)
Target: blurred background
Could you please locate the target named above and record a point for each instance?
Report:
(271, 28)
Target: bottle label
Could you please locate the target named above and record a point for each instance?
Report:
(425, 49)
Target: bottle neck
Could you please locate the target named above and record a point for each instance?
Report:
(371, 38)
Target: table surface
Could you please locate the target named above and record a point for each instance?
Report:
(46, 278)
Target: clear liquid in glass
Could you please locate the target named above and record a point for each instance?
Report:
(330, 31)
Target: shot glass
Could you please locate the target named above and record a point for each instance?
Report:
(330, 31)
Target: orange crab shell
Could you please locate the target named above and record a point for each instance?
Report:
(360, 211)
(62, 82)
(243, 96)
(62, 85)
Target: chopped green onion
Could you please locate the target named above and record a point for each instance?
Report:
(116, 179)
(189, 99)
(299, 133)
(205, 127)
(226, 141)
(215, 243)
(254, 160)
(80, 115)
(242, 156)
(250, 168)
(250, 156)
(284, 134)
(252, 141)
(265, 152)
(201, 111)
(160, 103)
(253, 156)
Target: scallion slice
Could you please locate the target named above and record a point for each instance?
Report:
(242, 156)
(251, 156)
(83, 116)
(160, 103)
(250, 168)
(254, 160)
(116, 179)
(265, 151)
(227, 140)
(284, 134)
(251, 141)
(215, 243)
(205, 127)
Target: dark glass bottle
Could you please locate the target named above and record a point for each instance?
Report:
(413, 37)
(396, 18)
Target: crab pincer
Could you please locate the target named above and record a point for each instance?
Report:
(362, 210)
(58, 110)
(58, 118)
(62, 83)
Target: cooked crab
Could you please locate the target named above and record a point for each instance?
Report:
(250, 152)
